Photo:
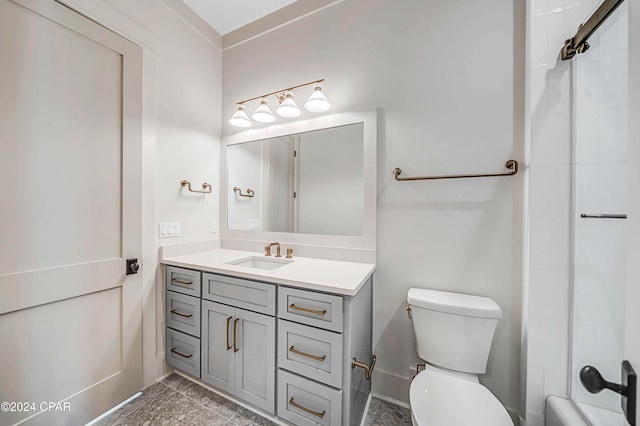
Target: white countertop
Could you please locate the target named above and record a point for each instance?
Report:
(330, 276)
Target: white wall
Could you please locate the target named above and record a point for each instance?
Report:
(446, 77)
(188, 96)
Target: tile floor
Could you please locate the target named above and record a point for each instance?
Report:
(178, 401)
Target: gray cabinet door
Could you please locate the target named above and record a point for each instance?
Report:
(217, 345)
(255, 363)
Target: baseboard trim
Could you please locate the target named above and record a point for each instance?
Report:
(390, 387)
(363, 421)
(515, 415)
(393, 401)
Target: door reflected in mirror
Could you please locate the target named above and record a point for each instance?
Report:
(310, 183)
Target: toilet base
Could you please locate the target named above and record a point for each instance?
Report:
(444, 398)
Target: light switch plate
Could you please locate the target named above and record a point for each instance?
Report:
(169, 229)
(213, 226)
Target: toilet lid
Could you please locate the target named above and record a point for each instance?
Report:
(440, 399)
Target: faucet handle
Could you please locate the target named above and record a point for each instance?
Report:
(289, 253)
(267, 250)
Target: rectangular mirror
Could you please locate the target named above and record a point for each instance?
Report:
(313, 178)
(309, 183)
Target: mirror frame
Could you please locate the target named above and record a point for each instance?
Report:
(368, 238)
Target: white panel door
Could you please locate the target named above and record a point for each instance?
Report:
(70, 214)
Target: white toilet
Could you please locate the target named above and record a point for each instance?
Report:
(453, 336)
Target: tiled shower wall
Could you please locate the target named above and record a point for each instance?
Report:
(550, 110)
(550, 22)
(600, 180)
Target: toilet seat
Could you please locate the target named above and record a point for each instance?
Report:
(441, 399)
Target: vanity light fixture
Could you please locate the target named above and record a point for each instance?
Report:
(263, 113)
(287, 106)
(317, 102)
(240, 118)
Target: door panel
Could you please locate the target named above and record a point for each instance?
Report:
(216, 337)
(66, 190)
(255, 361)
(70, 131)
(65, 326)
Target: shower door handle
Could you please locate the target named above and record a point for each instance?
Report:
(593, 381)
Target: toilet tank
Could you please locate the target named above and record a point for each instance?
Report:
(453, 330)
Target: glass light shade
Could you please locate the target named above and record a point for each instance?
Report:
(317, 102)
(288, 108)
(240, 118)
(263, 113)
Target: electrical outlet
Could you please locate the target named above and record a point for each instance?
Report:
(254, 224)
(213, 225)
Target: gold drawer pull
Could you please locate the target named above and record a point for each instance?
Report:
(175, 280)
(173, 311)
(316, 357)
(311, 311)
(308, 410)
(235, 338)
(228, 321)
(178, 353)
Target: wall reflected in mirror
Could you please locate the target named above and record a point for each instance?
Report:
(310, 183)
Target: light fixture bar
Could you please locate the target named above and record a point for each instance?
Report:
(280, 91)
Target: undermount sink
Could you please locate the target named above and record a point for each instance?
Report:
(258, 262)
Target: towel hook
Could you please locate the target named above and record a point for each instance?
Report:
(249, 193)
(204, 187)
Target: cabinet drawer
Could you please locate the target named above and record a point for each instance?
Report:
(183, 352)
(303, 402)
(251, 295)
(311, 352)
(183, 313)
(183, 280)
(308, 307)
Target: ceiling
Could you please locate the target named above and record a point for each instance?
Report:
(228, 15)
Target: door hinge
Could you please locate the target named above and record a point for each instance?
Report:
(295, 153)
(294, 195)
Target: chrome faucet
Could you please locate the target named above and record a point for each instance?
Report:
(267, 249)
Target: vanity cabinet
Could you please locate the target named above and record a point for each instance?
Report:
(182, 303)
(287, 351)
(319, 335)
